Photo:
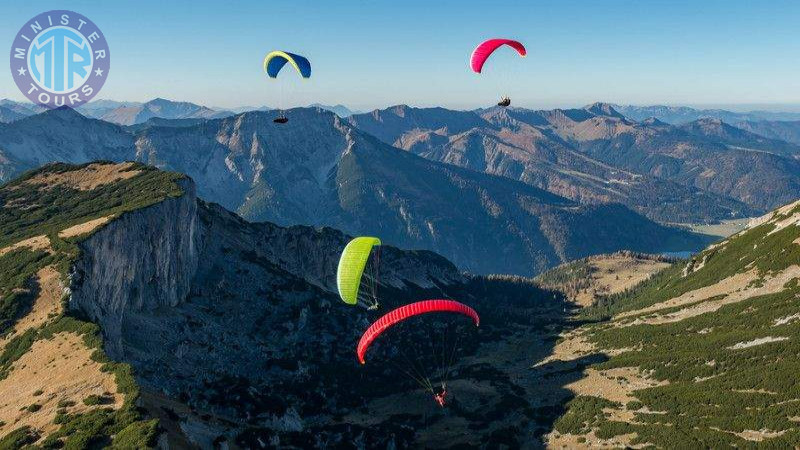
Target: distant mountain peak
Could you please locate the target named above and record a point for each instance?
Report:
(338, 109)
(603, 109)
(400, 110)
(653, 121)
(63, 113)
(710, 121)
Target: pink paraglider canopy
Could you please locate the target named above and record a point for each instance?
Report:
(483, 51)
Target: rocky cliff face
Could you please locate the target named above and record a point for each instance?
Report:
(142, 261)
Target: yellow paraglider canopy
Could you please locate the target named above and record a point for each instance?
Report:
(351, 271)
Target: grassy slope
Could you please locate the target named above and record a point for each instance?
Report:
(714, 391)
(581, 276)
(45, 212)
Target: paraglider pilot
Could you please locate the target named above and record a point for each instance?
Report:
(440, 397)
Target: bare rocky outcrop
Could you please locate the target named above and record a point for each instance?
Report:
(144, 260)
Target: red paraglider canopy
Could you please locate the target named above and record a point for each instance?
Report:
(484, 50)
(404, 312)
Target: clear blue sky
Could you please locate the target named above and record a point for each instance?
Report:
(368, 54)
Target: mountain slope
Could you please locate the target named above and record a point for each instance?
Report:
(719, 131)
(307, 172)
(9, 115)
(59, 135)
(762, 180)
(24, 109)
(513, 143)
(708, 346)
(219, 332)
(96, 109)
(318, 170)
(788, 131)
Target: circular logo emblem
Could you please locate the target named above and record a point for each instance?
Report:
(60, 58)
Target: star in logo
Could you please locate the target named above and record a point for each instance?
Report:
(21, 71)
(98, 72)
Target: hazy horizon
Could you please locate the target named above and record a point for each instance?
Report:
(370, 55)
(738, 108)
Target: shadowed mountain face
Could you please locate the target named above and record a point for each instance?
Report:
(524, 145)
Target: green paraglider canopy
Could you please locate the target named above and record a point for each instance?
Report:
(350, 276)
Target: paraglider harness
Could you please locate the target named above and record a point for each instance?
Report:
(505, 101)
(440, 397)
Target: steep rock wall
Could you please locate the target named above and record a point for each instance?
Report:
(141, 261)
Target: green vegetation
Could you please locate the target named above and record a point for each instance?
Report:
(94, 399)
(18, 266)
(14, 350)
(98, 425)
(583, 413)
(65, 403)
(136, 435)
(575, 277)
(29, 210)
(34, 407)
(754, 249)
(712, 385)
(726, 372)
(574, 272)
(18, 438)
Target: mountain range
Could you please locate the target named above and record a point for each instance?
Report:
(319, 170)
(524, 188)
(677, 115)
(703, 171)
(135, 113)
